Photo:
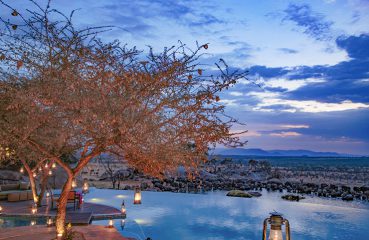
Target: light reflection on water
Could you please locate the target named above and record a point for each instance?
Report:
(213, 216)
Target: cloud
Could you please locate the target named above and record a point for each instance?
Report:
(285, 134)
(270, 104)
(313, 24)
(295, 126)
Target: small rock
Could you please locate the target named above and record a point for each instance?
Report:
(238, 193)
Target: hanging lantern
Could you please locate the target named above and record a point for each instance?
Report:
(50, 172)
(34, 208)
(48, 194)
(46, 165)
(137, 196)
(49, 222)
(34, 174)
(276, 221)
(122, 224)
(85, 186)
(39, 168)
(1, 210)
(111, 223)
(123, 208)
(74, 183)
(21, 170)
(53, 165)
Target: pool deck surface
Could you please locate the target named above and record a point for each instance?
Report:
(91, 232)
(87, 212)
(78, 217)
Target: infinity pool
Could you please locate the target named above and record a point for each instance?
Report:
(214, 216)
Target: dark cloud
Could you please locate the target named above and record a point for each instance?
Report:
(343, 81)
(287, 50)
(313, 24)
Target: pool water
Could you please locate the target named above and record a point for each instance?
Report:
(215, 216)
(7, 222)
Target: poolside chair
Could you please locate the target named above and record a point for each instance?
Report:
(72, 198)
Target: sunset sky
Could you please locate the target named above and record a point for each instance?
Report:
(310, 57)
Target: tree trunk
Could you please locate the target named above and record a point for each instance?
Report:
(62, 206)
(32, 181)
(43, 184)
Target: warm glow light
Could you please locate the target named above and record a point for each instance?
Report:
(59, 236)
(50, 172)
(40, 169)
(123, 208)
(21, 170)
(85, 187)
(47, 194)
(137, 196)
(49, 222)
(33, 223)
(1, 209)
(121, 196)
(53, 165)
(46, 165)
(34, 174)
(111, 223)
(74, 183)
(34, 208)
(275, 235)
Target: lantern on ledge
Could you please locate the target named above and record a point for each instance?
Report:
(111, 223)
(137, 196)
(49, 222)
(74, 183)
(1, 210)
(21, 170)
(34, 208)
(123, 208)
(276, 221)
(85, 186)
(33, 222)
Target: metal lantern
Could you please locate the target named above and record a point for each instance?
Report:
(74, 183)
(50, 172)
(53, 165)
(123, 208)
(34, 208)
(34, 174)
(276, 221)
(111, 223)
(46, 165)
(49, 222)
(21, 170)
(137, 196)
(40, 169)
(85, 187)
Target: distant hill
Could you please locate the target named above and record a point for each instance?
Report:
(277, 153)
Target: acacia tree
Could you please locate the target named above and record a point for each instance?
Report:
(63, 91)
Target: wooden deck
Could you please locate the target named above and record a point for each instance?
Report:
(82, 216)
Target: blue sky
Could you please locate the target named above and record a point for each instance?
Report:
(311, 58)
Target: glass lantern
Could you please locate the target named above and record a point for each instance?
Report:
(276, 221)
(137, 196)
(123, 208)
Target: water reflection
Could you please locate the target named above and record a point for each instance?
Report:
(215, 216)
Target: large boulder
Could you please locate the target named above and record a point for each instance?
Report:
(238, 193)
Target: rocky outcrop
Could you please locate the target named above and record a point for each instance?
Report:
(291, 197)
(239, 193)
